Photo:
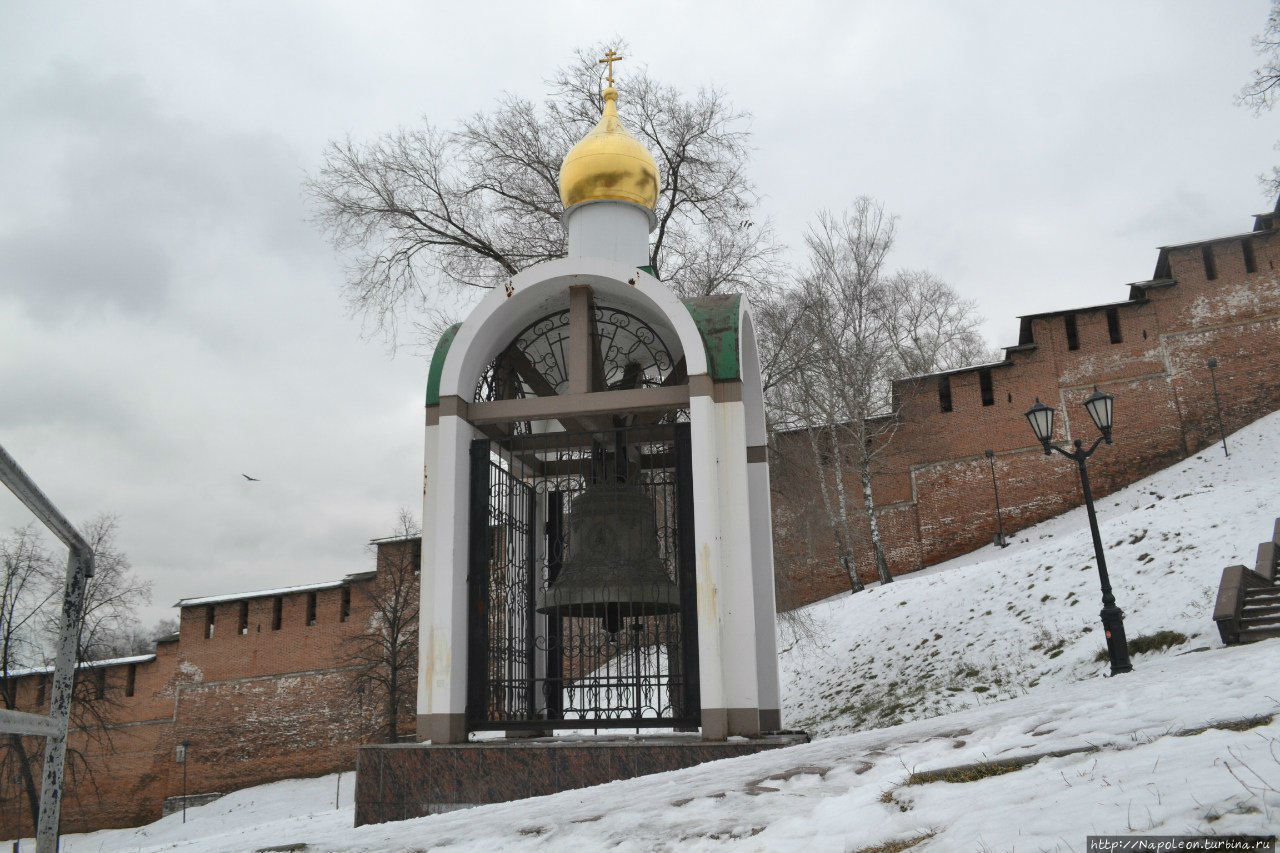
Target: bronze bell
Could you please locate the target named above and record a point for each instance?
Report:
(613, 570)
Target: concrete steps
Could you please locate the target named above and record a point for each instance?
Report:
(1252, 635)
(1248, 605)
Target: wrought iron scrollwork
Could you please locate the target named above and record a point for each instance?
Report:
(631, 354)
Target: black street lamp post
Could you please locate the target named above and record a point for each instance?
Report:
(1217, 403)
(999, 537)
(181, 755)
(1099, 406)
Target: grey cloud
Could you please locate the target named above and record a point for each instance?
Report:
(150, 166)
(59, 274)
(128, 189)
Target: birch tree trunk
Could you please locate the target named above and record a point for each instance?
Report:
(837, 523)
(869, 505)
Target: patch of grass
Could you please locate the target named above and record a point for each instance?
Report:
(966, 773)
(897, 846)
(1242, 725)
(1156, 642)
(889, 798)
(1239, 808)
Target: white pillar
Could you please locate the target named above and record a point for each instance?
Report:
(442, 659)
(706, 534)
(766, 629)
(737, 583)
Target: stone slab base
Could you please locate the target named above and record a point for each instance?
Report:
(405, 780)
(174, 804)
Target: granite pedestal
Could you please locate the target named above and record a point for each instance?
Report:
(405, 780)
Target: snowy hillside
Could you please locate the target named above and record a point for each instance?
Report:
(984, 659)
(997, 623)
(1171, 748)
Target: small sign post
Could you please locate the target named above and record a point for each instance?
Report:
(181, 755)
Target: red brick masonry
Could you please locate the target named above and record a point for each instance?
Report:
(932, 485)
(258, 703)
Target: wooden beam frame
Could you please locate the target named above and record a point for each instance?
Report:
(579, 405)
(544, 441)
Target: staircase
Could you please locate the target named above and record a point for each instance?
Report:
(1248, 605)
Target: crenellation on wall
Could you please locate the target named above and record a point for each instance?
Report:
(256, 707)
(1156, 369)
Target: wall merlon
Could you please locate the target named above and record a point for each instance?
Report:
(256, 707)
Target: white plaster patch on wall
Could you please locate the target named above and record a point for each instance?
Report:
(1233, 301)
(190, 670)
(1091, 366)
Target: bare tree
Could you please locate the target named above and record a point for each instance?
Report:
(30, 618)
(930, 327)
(385, 652)
(472, 205)
(858, 328)
(1260, 93)
(137, 640)
(29, 582)
(843, 303)
(112, 596)
(111, 601)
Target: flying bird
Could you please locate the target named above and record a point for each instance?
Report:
(250, 479)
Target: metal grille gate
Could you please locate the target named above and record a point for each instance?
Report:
(535, 667)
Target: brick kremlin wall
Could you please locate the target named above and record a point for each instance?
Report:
(272, 703)
(257, 702)
(933, 485)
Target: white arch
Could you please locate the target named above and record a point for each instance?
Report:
(539, 290)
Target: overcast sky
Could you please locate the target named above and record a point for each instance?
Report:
(170, 320)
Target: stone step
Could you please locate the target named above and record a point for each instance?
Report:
(1251, 635)
(1260, 622)
(1261, 597)
(1259, 610)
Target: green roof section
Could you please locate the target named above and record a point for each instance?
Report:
(437, 363)
(717, 320)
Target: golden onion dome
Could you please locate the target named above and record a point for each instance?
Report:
(609, 163)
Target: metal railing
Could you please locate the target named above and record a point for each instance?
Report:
(54, 726)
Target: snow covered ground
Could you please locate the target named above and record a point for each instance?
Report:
(1144, 767)
(986, 658)
(997, 623)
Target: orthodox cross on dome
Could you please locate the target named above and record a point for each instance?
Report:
(609, 58)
